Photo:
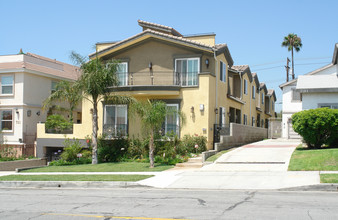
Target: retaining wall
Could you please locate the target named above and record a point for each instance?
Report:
(12, 165)
(241, 135)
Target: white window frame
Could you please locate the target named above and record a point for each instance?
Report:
(187, 75)
(53, 86)
(177, 120)
(7, 94)
(125, 82)
(223, 71)
(245, 119)
(245, 87)
(222, 115)
(1, 112)
(263, 97)
(253, 92)
(328, 105)
(253, 121)
(115, 125)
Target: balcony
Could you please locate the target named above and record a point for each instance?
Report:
(159, 80)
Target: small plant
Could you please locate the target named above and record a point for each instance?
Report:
(57, 123)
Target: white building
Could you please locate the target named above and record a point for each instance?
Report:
(316, 89)
(26, 80)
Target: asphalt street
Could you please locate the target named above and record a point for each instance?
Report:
(165, 204)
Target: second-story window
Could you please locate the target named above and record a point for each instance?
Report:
(253, 92)
(187, 70)
(53, 86)
(7, 84)
(245, 87)
(222, 71)
(263, 98)
(122, 73)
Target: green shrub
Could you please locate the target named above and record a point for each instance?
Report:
(138, 149)
(317, 126)
(7, 153)
(72, 148)
(57, 123)
(194, 144)
(112, 150)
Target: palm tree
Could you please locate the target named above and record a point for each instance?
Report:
(96, 83)
(152, 115)
(292, 41)
(65, 91)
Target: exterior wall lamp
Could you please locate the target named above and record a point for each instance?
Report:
(150, 65)
(207, 63)
(229, 114)
(216, 111)
(192, 109)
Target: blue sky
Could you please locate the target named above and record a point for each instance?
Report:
(253, 30)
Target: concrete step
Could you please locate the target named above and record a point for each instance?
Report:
(195, 160)
(189, 165)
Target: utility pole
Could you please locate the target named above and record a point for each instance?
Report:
(287, 69)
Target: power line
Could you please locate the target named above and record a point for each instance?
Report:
(300, 64)
(281, 61)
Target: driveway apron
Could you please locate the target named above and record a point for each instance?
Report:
(260, 165)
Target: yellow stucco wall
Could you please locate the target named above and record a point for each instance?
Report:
(206, 39)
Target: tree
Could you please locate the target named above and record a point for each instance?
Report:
(65, 91)
(96, 81)
(152, 115)
(292, 41)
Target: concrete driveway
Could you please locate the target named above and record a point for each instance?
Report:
(260, 165)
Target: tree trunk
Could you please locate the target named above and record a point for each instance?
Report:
(151, 149)
(293, 67)
(95, 128)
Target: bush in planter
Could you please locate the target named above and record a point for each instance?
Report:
(57, 123)
(317, 126)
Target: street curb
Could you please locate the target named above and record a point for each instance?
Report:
(68, 184)
(329, 187)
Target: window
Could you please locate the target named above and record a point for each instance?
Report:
(273, 105)
(332, 106)
(188, 70)
(7, 83)
(6, 120)
(253, 92)
(222, 72)
(296, 96)
(245, 87)
(122, 73)
(262, 123)
(253, 121)
(221, 115)
(53, 87)
(245, 119)
(172, 120)
(115, 120)
(263, 98)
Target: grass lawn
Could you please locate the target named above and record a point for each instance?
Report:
(329, 178)
(103, 167)
(74, 177)
(316, 159)
(213, 158)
